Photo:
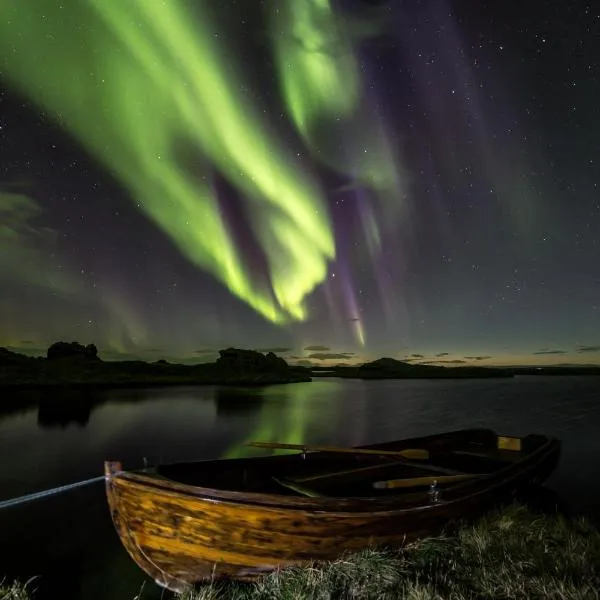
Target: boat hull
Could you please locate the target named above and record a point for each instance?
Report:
(181, 535)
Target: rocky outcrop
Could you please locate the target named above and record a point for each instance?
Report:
(72, 364)
(60, 350)
(7, 357)
(238, 360)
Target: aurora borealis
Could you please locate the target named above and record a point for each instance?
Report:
(334, 180)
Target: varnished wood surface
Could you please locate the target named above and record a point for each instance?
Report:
(181, 534)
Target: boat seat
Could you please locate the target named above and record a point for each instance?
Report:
(416, 467)
(415, 482)
(507, 456)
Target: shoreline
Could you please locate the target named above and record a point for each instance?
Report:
(511, 552)
(253, 381)
(103, 385)
(74, 366)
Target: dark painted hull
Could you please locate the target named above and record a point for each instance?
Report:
(181, 534)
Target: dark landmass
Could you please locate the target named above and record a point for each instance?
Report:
(74, 365)
(390, 368)
(557, 370)
(71, 364)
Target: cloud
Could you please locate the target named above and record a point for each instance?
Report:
(353, 320)
(26, 342)
(328, 356)
(584, 349)
(478, 357)
(443, 354)
(551, 352)
(275, 350)
(417, 356)
(317, 348)
(305, 363)
(455, 361)
(205, 351)
(27, 247)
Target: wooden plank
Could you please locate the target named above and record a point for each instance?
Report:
(410, 453)
(509, 443)
(342, 473)
(292, 485)
(423, 481)
(497, 455)
(334, 474)
(429, 467)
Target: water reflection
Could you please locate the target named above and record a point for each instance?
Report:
(234, 401)
(300, 420)
(60, 413)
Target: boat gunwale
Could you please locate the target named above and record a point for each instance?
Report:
(381, 505)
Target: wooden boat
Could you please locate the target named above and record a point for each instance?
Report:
(240, 518)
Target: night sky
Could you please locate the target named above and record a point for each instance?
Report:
(333, 181)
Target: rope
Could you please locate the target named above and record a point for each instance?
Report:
(46, 493)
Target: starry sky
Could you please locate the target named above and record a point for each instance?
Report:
(334, 181)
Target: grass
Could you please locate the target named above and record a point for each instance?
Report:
(509, 554)
(14, 590)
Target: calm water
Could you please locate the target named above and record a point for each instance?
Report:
(69, 540)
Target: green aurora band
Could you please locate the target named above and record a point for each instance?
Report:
(322, 87)
(317, 69)
(134, 80)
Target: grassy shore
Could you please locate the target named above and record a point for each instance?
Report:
(14, 591)
(509, 554)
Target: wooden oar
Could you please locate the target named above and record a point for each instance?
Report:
(409, 453)
(402, 456)
(422, 481)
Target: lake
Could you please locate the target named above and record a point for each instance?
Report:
(69, 539)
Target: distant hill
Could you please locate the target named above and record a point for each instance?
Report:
(387, 364)
(390, 368)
